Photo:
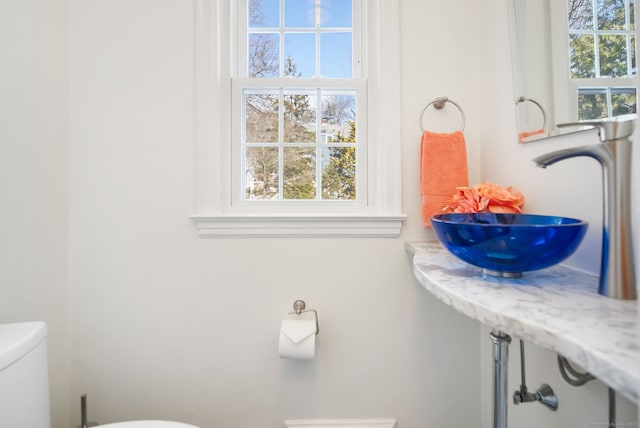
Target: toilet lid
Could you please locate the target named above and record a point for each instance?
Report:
(148, 424)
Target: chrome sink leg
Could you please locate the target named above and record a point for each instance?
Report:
(84, 423)
(500, 365)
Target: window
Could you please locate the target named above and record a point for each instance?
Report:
(605, 102)
(297, 118)
(602, 59)
(299, 143)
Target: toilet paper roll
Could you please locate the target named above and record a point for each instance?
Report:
(297, 339)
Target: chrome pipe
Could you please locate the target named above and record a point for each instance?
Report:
(500, 366)
(544, 395)
(84, 419)
(612, 407)
(83, 411)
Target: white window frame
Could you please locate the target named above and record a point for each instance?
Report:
(216, 212)
(240, 82)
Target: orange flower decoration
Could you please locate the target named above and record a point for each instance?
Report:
(485, 197)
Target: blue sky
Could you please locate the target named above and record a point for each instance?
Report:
(335, 52)
(301, 13)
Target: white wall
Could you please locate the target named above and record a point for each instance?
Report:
(33, 177)
(164, 324)
(168, 325)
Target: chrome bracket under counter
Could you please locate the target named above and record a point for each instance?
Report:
(557, 308)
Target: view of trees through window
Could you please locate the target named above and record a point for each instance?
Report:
(298, 142)
(602, 46)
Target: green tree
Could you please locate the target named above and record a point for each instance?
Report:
(299, 177)
(299, 114)
(582, 56)
(339, 174)
(612, 48)
(299, 173)
(264, 132)
(592, 106)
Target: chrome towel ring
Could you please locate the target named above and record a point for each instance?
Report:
(531, 100)
(438, 104)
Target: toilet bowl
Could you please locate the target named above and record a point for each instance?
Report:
(24, 385)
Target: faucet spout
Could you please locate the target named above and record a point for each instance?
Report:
(595, 151)
(617, 275)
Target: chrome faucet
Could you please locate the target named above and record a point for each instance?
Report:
(617, 277)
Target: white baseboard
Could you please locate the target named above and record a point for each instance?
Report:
(341, 423)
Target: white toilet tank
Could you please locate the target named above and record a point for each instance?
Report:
(24, 384)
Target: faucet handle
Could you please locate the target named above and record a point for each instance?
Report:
(608, 130)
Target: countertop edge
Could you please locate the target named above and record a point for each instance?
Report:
(441, 274)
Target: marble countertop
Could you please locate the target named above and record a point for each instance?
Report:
(558, 308)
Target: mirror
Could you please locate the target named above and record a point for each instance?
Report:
(573, 60)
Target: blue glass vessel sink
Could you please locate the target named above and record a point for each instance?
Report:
(506, 245)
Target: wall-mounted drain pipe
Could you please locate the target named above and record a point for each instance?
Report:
(544, 394)
(566, 369)
(576, 378)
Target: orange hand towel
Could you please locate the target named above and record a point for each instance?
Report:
(526, 134)
(443, 167)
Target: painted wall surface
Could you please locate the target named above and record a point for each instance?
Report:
(33, 177)
(163, 324)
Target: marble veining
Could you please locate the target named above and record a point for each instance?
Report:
(558, 308)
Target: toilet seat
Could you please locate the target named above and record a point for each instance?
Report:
(148, 424)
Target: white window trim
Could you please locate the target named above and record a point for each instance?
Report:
(214, 215)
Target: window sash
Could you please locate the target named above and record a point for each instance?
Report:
(239, 204)
(241, 82)
(241, 32)
(607, 96)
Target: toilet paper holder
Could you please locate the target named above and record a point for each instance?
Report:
(299, 306)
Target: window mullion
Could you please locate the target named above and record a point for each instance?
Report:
(319, 146)
(318, 47)
(627, 27)
(281, 144)
(281, 40)
(596, 50)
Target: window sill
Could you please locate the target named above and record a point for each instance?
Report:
(374, 226)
